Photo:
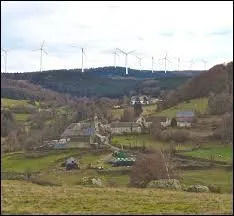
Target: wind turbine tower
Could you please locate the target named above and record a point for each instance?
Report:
(178, 64)
(82, 59)
(42, 50)
(115, 54)
(5, 53)
(152, 64)
(126, 57)
(139, 59)
(204, 61)
(165, 62)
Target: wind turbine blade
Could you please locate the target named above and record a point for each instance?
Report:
(45, 52)
(121, 51)
(131, 52)
(36, 49)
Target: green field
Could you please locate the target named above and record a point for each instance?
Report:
(199, 104)
(219, 177)
(221, 153)
(19, 162)
(19, 197)
(21, 117)
(5, 102)
(117, 113)
(138, 141)
(195, 104)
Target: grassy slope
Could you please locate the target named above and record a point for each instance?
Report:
(224, 151)
(5, 102)
(26, 198)
(199, 104)
(138, 140)
(219, 177)
(20, 162)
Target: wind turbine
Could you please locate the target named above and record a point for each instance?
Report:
(152, 64)
(178, 64)
(82, 62)
(42, 50)
(5, 51)
(139, 59)
(191, 63)
(82, 57)
(126, 57)
(115, 54)
(204, 61)
(165, 61)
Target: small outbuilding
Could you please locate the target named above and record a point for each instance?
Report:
(71, 163)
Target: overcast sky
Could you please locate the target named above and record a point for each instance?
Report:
(191, 31)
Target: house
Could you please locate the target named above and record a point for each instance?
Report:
(140, 99)
(185, 118)
(124, 127)
(164, 121)
(79, 131)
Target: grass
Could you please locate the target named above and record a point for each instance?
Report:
(224, 151)
(21, 117)
(117, 113)
(19, 197)
(199, 104)
(138, 141)
(9, 103)
(19, 162)
(219, 177)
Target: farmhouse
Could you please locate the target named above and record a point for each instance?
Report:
(79, 131)
(124, 127)
(185, 118)
(164, 121)
(142, 99)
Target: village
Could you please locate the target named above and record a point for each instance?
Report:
(96, 134)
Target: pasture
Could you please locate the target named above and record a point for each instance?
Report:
(19, 197)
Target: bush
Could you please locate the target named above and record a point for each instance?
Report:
(198, 188)
(150, 167)
(179, 136)
(165, 183)
(43, 182)
(214, 189)
(173, 122)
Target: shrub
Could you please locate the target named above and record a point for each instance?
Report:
(43, 182)
(179, 136)
(150, 167)
(214, 189)
(198, 188)
(165, 183)
(173, 122)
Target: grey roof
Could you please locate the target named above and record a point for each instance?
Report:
(124, 124)
(185, 114)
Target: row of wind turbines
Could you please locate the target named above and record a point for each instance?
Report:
(116, 53)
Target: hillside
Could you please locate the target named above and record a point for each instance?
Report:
(215, 80)
(23, 89)
(101, 82)
(82, 200)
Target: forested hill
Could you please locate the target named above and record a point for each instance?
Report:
(103, 82)
(216, 80)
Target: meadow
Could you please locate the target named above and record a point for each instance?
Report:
(19, 197)
(199, 104)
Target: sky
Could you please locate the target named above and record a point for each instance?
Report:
(194, 35)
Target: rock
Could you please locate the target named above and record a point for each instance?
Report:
(198, 188)
(97, 182)
(165, 183)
